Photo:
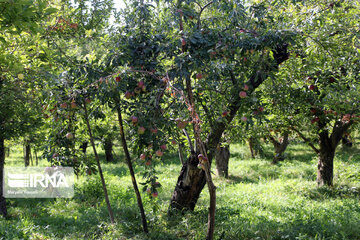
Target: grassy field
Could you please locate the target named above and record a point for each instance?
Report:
(258, 201)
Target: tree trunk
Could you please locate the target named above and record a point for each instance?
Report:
(36, 157)
(326, 167)
(3, 210)
(111, 214)
(327, 149)
(130, 166)
(108, 146)
(280, 147)
(326, 158)
(27, 154)
(181, 155)
(251, 147)
(189, 185)
(222, 157)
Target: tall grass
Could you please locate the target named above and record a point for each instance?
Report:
(258, 201)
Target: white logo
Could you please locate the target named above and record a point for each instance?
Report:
(36, 182)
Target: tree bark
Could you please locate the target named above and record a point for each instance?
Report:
(108, 146)
(27, 154)
(279, 147)
(325, 172)
(222, 161)
(192, 180)
(111, 214)
(181, 155)
(3, 210)
(189, 185)
(251, 147)
(327, 149)
(36, 157)
(130, 166)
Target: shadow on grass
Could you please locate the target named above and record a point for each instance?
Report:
(348, 154)
(241, 179)
(336, 192)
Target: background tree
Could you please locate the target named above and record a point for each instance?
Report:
(320, 82)
(20, 56)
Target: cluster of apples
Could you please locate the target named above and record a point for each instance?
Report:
(147, 157)
(243, 94)
(138, 89)
(62, 24)
(181, 123)
(152, 190)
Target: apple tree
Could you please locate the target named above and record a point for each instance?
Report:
(20, 57)
(318, 87)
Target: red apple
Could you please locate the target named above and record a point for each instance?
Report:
(199, 76)
(148, 190)
(159, 153)
(118, 79)
(141, 130)
(224, 114)
(183, 42)
(173, 142)
(242, 94)
(154, 194)
(315, 120)
(246, 87)
(163, 147)
(261, 109)
(154, 130)
(244, 119)
(182, 124)
(128, 95)
(148, 163)
(142, 156)
(140, 84)
(311, 87)
(69, 135)
(63, 105)
(134, 119)
(73, 104)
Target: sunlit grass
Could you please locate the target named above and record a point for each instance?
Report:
(259, 200)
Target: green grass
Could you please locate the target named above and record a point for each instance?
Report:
(258, 201)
